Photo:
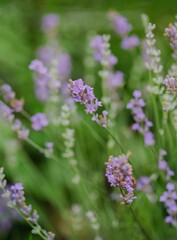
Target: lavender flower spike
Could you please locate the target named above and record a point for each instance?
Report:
(16, 199)
(169, 198)
(142, 124)
(84, 94)
(119, 174)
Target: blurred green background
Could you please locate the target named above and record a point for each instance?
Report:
(20, 36)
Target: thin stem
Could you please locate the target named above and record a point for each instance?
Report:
(137, 220)
(139, 224)
(115, 139)
(40, 149)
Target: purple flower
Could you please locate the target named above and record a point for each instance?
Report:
(120, 24)
(39, 120)
(7, 92)
(16, 200)
(17, 193)
(115, 79)
(64, 65)
(102, 52)
(50, 22)
(17, 105)
(37, 66)
(6, 113)
(34, 218)
(169, 199)
(171, 84)
(97, 42)
(119, 174)
(171, 33)
(163, 164)
(142, 124)
(46, 54)
(142, 182)
(16, 125)
(84, 94)
(23, 133)
(149, 139)
(130, 42)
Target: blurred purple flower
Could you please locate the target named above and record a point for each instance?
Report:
(39, 120)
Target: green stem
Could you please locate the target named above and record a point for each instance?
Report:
(115, 139)
(137, 220)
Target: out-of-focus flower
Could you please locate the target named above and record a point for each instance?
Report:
(169, 198)
(120, 24)
(6, 113)
(163, 164)
(102, 52)
(130, 42)
(50, 22)
(142, 124)
(39, 120)
(171, 34)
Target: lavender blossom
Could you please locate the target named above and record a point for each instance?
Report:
(163, 165)
(9, 96)
(6, 113)
(50, 22)
(114, 80)
(120, 24)
(39, 120)
(171, 84)
(84, 94)
(142, 124)
(169, 198)
(16, 200)
(171, 34)
(23, 133)
(102, 52)
(63, 65)
(119, 174)
(7, 93)
(49, 149)
(130, 42)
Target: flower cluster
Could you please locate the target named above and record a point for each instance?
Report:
(53, 67)
(50, 22)
(16, 200)
(39, 120)
(49, 149)
(122, 27)
(7, 215)
(153, 60)
(163, 164)
(144, 183)
(41, 78)
(120, 24)
(171, 84)
(111, 80)
(142, 124)
(9, 96)
(84, 94)
(171, 34)
(130, 42)
(169, 198)
(102, 50)
(119, 174)
(7, 115)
